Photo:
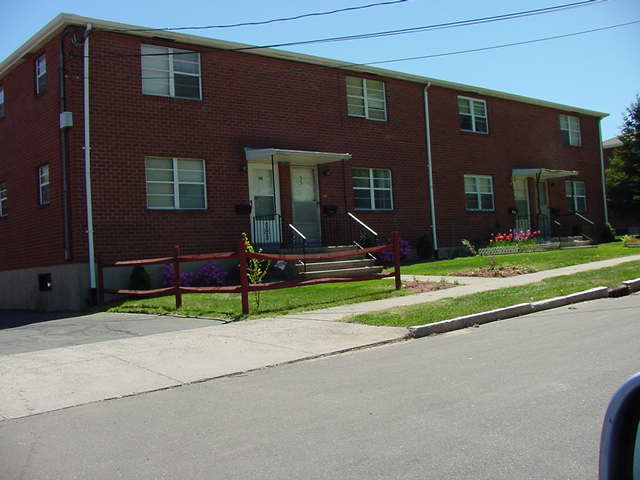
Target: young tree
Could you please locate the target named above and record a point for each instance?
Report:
(623, 176)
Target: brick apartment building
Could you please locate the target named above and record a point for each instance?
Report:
(120, 143)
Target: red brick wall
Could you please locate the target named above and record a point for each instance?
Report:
(520, 136)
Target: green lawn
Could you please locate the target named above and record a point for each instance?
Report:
(538, 261)
(454, 307)
(272, 302)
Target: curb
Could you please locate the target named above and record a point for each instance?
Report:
(473, 319)
(633, 285)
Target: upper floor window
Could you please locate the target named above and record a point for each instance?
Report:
(366, 98)
(1, 102)
(473, 115)
(478, 192)
(43, 185)
(576, 196)
(41, 74)
(170, 72)
(3, 200)
(175, 183)
(570, 129)
(372, 189)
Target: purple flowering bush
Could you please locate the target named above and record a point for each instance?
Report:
(386, 256)
(208, 275)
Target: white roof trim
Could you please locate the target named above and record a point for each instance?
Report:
(542, 173)
(296, 157)
(59, 22)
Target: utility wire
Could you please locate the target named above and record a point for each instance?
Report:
(404, 59)
(263, 22)
(460, 23)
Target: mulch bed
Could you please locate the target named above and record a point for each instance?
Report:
(420, 287)
(498, 271)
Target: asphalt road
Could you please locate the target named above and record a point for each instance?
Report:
(518, 399)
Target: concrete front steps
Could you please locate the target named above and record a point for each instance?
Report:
(577, 241)
(352, 266)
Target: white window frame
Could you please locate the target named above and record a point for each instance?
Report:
(171, 72)
(44, 182)
(571, 125)
(3, 200)
(41, 74)
(572, 196)
(372, 189)
(1, 101)
(479, 194)
(365, 98)
(473, 115)
(176, 182)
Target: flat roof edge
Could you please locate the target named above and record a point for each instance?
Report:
(64, 19)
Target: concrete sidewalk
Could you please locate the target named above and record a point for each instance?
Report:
(50, 379)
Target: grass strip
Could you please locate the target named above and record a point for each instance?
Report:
(537, 260)
(272, 302)
(448, 308)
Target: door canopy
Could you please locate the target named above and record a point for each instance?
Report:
(541, 174)
(297, 157)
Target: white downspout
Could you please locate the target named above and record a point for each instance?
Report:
(87, 164)
(604, 183)
(427, 127)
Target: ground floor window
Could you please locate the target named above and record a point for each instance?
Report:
(372, 189)
(43, 185)
(478, 191)
(175, 183)
(576, 196)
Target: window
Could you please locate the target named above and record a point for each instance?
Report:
(3, 200)
(1, 102)
(170, 72)
(478, 192)
(41, 74)
(473, 115)
(372, 189)
(570, 129)
(175, 183)
(43, 183)
(365, 98)
(576, 196)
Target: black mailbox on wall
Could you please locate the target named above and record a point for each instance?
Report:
(243, 209)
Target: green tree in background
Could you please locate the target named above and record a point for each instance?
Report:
(623, 176)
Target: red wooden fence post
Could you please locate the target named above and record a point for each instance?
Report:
(396, 259)
(100, 281)
(176, 276)
(244, 280)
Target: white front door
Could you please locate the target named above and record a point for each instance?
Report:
(304, 192)
(266, 227)
(521, 196)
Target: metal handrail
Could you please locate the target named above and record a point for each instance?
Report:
(362, 223)
(583, 218)
(300, 234)
(304, 244)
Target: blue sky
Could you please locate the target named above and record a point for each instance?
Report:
(598, 71)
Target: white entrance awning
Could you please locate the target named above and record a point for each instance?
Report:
(297, 157)
(540, 174)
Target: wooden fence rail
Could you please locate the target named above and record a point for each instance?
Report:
(243, 257)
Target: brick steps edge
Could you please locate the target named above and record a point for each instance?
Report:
(465, 321)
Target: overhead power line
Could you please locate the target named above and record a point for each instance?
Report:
(403, 31)
(264, 22)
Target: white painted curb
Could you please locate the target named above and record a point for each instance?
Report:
(592, 294)
(418, 331)
(633, 285)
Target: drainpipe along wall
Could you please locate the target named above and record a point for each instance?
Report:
(87, 168)
(427, 132)
(604, 183)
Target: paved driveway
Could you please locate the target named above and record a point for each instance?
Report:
(22, 331)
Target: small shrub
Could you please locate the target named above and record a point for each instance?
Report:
(424, 247)
(256, 269)
(208, 275)
(470, 248)
(514, 237)
(139, 279)
(608, 232)
(386, 256)
(630, 240)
